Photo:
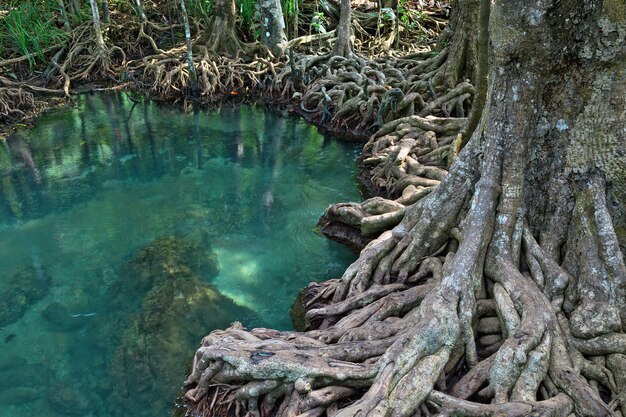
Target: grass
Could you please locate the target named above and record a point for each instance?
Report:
(29, 27)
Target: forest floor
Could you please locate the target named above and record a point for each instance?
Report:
(149, 60)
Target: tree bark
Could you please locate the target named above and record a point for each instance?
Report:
(193, 77)
(75, 8)
(461, 43)
(343, 44)
(140, 10)
(273, 25)
(222, 38)
(503, 290)
(106, 13)
(96, 27)
(66, 21)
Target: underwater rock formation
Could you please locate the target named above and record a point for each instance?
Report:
(21, 382)
(59, 318)
(176, 310)
(161, 258)
(23, 289)
(70, 399)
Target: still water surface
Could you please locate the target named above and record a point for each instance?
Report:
(97, 201)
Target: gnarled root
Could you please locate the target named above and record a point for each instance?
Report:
(166, 74)
(460, 308)
(358, 95)
(86, 59)
(415, 329)
(15, 102)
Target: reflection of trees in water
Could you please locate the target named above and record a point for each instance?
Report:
(67, 158)
(274, 131)
(21, 177)
(149, 135)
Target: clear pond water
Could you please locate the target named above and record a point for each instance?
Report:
(114, 217)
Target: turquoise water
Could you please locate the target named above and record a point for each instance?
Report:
(112, 217)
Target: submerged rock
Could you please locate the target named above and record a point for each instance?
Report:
(171, 252)
(19, 395)
(156, 263)
(177, 310)
(163, 256)
(60, 318)
(70, 400)
(21, 291)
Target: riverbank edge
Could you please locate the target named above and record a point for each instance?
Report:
(47, 104)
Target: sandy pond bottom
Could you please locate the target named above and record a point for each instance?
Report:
(115, 218)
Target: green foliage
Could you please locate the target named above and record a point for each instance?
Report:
(289, 8)
(200, 9)
(29, 27)
(318, 22)
(247, 9)
(249, 18)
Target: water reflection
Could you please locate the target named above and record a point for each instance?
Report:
(118, 208)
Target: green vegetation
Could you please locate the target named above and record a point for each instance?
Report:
(30, 27)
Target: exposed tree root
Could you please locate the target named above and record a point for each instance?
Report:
(412, 319)
(462, 304)
(87, 59)
(167, 74)
(15, 103)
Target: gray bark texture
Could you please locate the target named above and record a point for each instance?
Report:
(96, 26)
(106, 13)
(190, 64)
(343, 44)
(222, 38)
(272, 25)
(66, 20)
(493, 287)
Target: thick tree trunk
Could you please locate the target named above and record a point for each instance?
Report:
(463, 53)
(500, 292)
(343, 43)
(222, 37)
(272, 25)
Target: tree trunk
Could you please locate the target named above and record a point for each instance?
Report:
(273, 25)
(140, 10)
(343, 43)
(66, 21)
(503, 290)
(463, 50)
(222, 37)
(96, 27)
(106, 14)
(296, 18)
(74, 9)
(193, 77)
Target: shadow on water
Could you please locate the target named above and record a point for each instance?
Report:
(130, 230)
